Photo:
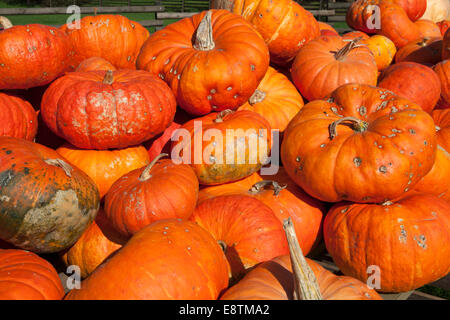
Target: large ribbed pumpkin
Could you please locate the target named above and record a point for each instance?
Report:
(26, 276)
(32, 55)
(327, 62)
(108, 109)
(95, 63)
(206, 61)
(408, 240)
(247, 229)
(276, 99)
(105, 166)
(305, 211)
(112, 37)
(413, 81)
(45, 204)
(284, 24)
(168, 260)
(363, 144)
(161, 190)
(17, 118)
(277, 279)
(96, 244)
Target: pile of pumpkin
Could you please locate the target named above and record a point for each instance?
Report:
(89, 117)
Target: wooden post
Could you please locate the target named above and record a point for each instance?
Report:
(182, 5)
(221, 4)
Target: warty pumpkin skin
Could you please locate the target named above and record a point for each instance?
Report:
(442, 69)
(46, 204)
(247, 229)
(95, 63)
(327, 62)
(161, 190)
(284, 24)
(26, 276)
(305, 211)
(277, 279)
(204, 61)
(104, 167)
(407, 239)
(425, 51)
(413, 81)
(154, 265)
(32, 55)
(240, 153)
(108, 109)
(109, 36)
(96, 244)
(385, 144)
(17, 118)
(276, 99)
(383, 49)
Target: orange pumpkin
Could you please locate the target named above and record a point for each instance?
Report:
(276, 99)
(369, 144)
(223, 147)
(95, 63)
(407, 240)
(247, 229)
(154, 265)
(204, 61)
(426, 51)
(383, 49)
(443, 26)
(360, 16)
(442, 69)
(428, 29)
(26, 276)
(96, 244)
(17, 118)
(294, 277)
(327, 27)
(325, 63)
(305, 211)
(161, 190)
(352, 35)
(105, 166)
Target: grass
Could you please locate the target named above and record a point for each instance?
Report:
(434, 291)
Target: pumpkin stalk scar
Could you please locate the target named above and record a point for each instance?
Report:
(261, 185)
(356, 124)
(61, 164)
(257, 97)
(204, 40)
(145, 175)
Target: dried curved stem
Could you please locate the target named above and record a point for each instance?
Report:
(352, 44)
(356, 124)
(305, 282)
(5, 23)
(109, 77)
(61, 164)
(145, 175)
(257, 97)
(223, 245)
(261, 185)
(204, 40)
(222, 114)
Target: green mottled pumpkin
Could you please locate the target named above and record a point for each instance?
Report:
(45, 204)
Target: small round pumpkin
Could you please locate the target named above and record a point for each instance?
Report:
(170, 259)
(17, 118)
(46, 204)
(276, 99)
(108, 109)
(32, 55)
(95, 63)
(205, 61)
(247, 229)
(426, 51)
(294, 277)
(105, 166)
(408, 240)
(369, 144)
(413, 81)
(96, 244)
(26, 276)
(428, 29)
(383, 49)
(325, 63)
(223, 147)
(161, 190)
(109, 36)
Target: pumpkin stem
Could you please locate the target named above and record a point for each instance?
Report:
(357, 125)
(223, 245)
(342, 53)
(204, 40)
(5, 23)
(259, 186)
(109, 77)
(305, 282)
(222, 114)
(145, 175)
(257, 96)
(61, 164)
